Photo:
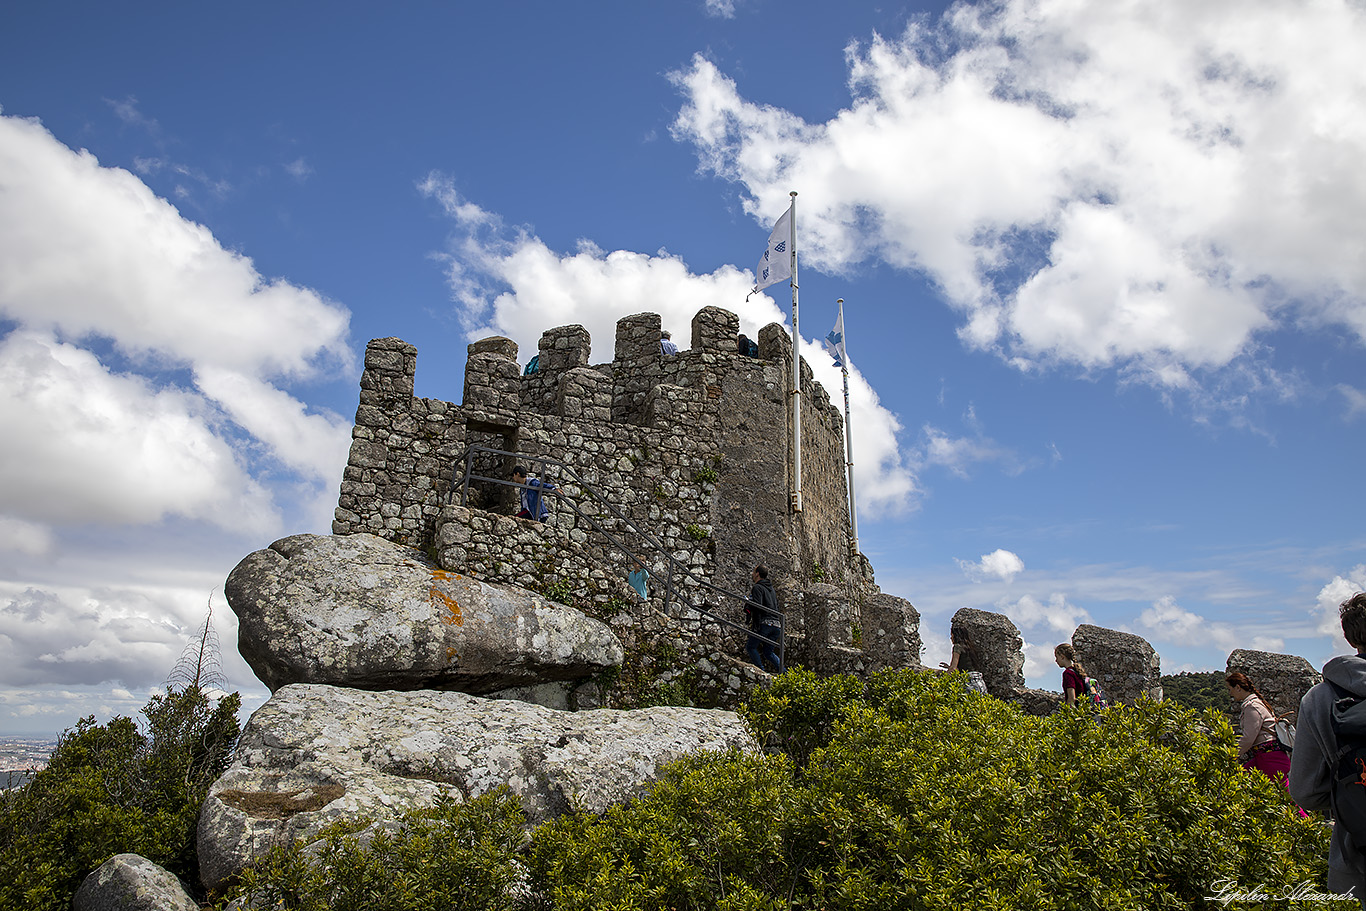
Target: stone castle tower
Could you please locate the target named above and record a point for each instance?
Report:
(679, 462)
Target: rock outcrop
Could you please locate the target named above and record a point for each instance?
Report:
(360, 611)
(131, 882)
(315, 754)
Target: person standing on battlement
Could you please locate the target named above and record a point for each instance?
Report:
(533, 491)
(1315, 763)
(766, 619)
(666, 345)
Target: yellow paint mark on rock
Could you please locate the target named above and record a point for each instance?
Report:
(453, 616)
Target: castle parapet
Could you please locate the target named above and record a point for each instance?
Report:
(715, 330)
(563, 348)
(390, 365)
(636, 366)
(492, 377)
(995, 649)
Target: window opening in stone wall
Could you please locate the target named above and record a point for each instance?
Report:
(489, 495)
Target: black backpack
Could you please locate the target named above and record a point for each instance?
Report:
(1349, 775)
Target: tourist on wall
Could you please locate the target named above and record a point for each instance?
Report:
(964, 659)
(1314, 766)
(744, 346)
(765, 619)
(533, 491)
(666, 345)
(1258, 747)
(1073, 674)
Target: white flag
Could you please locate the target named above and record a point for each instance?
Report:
(834, 342)
(776, 264)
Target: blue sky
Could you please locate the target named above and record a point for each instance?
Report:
(1104, 282)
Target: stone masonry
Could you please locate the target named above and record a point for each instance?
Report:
(684, 460)
(1125, 665)
(1281, 679)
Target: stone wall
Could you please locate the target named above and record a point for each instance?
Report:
(1125, 665)
(994, 648)
(1281, 679)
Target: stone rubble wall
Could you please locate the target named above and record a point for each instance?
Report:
(995, 649)
(1125, 665)
(1281, 679)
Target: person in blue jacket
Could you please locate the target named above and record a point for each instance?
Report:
(533, 491)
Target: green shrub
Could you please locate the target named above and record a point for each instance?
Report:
(1197, 690)
(110, 789)
(696, 532)
(913, 793)
(451, 856)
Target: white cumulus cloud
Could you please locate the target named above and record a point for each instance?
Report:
(1148, 189)
(1057, 615)
(147, 374)
(1331, 596)
(1168, 621)
(999, 564)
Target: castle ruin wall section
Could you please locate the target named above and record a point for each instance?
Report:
(1281, 679)
(1126, 665)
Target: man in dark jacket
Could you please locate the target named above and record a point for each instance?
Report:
(1313, 765)
(766, 619)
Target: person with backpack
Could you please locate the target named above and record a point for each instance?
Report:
(1258, 746)
(532, 495)
(964, 658)
(1075, 686)
(765, 619)
(1328, 767)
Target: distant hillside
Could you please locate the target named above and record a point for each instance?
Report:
(1200, 690)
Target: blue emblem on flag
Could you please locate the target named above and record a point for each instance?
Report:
(834, 343)
(778, 247)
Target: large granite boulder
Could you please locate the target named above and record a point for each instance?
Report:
(1281, 679)
(313, 755)
(131, 882)
(360, 611)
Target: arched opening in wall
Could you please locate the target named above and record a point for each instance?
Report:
(489, 495)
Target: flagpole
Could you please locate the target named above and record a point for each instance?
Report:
(848, 430)
(796, 367)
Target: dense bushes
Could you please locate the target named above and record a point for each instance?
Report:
(110, 789)
(452, 856)
(909, 792)
(917, 794)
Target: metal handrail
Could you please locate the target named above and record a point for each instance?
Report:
(669, 588)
